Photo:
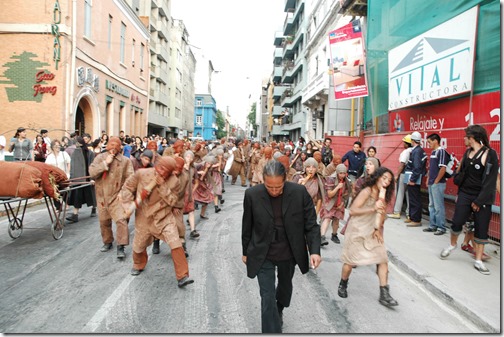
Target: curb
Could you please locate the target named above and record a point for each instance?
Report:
(441, 291)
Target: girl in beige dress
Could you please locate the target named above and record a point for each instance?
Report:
(363, 243)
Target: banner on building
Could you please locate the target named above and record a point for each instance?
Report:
(434, 65)
(348, 61)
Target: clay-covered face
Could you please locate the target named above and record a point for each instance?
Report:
(163, 171)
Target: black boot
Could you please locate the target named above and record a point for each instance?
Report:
(385, 298)
(93, 212)
(120, 252)
(217, 209)
(73, 218)
(155, 247)
(342, 289)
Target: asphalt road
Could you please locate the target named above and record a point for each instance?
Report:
(69, 286)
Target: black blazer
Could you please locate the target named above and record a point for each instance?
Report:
(299, 219)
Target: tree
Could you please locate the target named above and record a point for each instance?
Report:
(252, 117)
(221, 125)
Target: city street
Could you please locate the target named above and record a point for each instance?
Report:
(69, 286)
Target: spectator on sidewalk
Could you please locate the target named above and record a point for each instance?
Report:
(364, 243)
(371, 153)
(402, 187)
(286, 210)
(59, 158)
(80, 160)
(21, 147)
(436, 185)
(327, 152)
(415, 170)
(355, 159)
(476, 179)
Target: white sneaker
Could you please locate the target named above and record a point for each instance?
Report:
(394, 215)
(481, 268)
(446, 252)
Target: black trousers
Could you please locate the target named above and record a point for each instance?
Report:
(270, 295)
(415, 203)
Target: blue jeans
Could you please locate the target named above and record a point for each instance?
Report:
(402, 190)
(270, 319)
(437, 206)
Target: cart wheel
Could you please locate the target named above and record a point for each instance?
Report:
(57, 229)
(15, 228)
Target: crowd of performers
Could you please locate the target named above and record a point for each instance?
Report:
(159, 188)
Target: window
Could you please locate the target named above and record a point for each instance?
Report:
(199, 103)
(123, 41)
(199, 120)
(87, 17)
(177, 112)
(109, 31)
(142, 47)
(133, 53)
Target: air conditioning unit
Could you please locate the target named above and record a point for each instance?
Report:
(339, 133)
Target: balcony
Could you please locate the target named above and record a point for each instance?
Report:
(277, 130)
(299, 9)
(278, 39)
(162, 28)
(277, 111)
(163, 98)
(353, 7)
(288, 48)
(287, 72)
(278, 91)
(163, 9)
(153, 46)
(162, 52)
(290, 5)
(277, 56)
(162, 75)
(154, 3)
(154, 94)
(298, 65)
(288, 24)
(277, 74)
(153, 70)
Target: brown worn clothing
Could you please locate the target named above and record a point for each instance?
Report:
(238, 166)
(108, 184)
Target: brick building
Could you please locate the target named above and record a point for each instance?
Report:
(73, 65)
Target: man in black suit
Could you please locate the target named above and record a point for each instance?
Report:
(279, 222)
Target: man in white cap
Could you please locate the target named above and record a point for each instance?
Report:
(415, 170)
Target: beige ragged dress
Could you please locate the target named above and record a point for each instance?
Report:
(359, 247)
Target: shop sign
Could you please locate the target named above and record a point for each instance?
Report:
(135, 98)
(451, 117)
(117, 89)
(40, 77)
(87, 76)
(55, 32)
(434, 65)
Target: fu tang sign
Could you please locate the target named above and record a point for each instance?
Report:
(42, 76)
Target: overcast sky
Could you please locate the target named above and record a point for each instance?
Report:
(237, 36)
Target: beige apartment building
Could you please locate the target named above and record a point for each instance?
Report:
(70, 66)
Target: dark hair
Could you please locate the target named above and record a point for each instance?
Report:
(127, 140)
(274, 168)
(434, 136)
(478, 133)
(327, 138)
(358, 143)
(373, 178)
(372, 148)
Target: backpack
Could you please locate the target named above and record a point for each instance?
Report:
(451, 167)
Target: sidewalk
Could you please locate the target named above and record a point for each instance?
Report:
(454, 280)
